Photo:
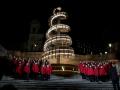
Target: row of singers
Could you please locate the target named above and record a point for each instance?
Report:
(94, 71)
(32, 69)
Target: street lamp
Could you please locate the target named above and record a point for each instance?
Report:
(105, 53)
(110, 45)
(101, 53)
(101, 56)
(35, 45)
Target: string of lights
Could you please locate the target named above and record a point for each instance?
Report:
(57, 43)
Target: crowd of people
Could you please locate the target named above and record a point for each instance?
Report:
(99, 71)
(94, 71)
(37, 69)
(31, 68)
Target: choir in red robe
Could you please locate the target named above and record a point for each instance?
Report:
(94, 71)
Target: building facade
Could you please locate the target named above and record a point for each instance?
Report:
(35, 41)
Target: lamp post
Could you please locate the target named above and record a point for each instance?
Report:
(101, 56)
(106, 55)
(110, 45)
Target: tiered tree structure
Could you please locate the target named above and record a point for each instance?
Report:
(57, 45)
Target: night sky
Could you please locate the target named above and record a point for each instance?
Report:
(93, 22)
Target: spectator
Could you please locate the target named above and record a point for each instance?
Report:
(114, 77)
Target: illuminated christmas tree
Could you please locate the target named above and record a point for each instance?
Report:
(58, 42)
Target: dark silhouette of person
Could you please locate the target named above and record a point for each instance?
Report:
(1, 67)
(114, 77)
(5, 67)
(8, 87)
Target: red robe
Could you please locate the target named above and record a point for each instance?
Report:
(96, 71)
(86, 70)
(102, 71)
(48, 70)
(35, 68)
(27, 69)
(90, 71)
(43, 70)
(107, 68)
(81, 68)
(19, 69)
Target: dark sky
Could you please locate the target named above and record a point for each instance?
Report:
(95, 22)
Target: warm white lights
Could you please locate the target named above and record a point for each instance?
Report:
(110, 45)
(63, 27)
(35, 45)
(61, 40)
(106, 53)
(63, 68)
(58, 43)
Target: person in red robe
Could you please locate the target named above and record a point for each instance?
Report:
(43, 72)
(19, 70)
(91, 73)
(48, 71)
(35, 70)
(96, 73)
(27, 70)
(102, 73)
(83, 69)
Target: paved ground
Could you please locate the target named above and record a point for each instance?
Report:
(56, 83)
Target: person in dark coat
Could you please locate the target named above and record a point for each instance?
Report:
(1, 68)
(8, 87)
(5, 66)
(114, 77)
